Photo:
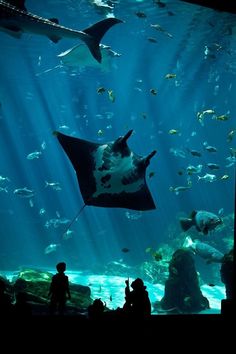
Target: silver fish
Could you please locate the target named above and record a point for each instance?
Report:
(24, 192)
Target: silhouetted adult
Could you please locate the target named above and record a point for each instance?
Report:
(22, 308)
(227, 273)
(6, 306)
(137, 302)
(59, 290)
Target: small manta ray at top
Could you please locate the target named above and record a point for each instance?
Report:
(79, 56)
(15, 20)
(109, 174)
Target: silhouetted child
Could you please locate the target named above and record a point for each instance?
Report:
(96, 310)
(22, 308)
(59, 290)
(137, 302)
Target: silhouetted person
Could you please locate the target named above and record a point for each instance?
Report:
(227, 273)
(59, 290)
(137, 302)
(22, 308)
(96, 310)
(6, 306)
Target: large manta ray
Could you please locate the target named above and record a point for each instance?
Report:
(110, 174)
(15, 20)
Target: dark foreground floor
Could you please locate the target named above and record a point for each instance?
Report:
(116, 334)
(199, 328)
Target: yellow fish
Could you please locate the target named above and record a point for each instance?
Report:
(223, 117)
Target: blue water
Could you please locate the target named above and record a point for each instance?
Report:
(35, 101)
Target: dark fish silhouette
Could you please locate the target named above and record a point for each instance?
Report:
(125, 250)
(15, 20)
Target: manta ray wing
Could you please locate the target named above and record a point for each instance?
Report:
(109, 174)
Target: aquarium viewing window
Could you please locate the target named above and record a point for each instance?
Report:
(118, 152)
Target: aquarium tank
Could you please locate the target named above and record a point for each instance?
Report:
(118, 151)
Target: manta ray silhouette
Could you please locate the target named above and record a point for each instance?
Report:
(109, 174)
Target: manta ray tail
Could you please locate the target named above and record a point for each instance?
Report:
(96, 32)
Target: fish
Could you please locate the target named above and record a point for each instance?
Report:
(111, 95)
(125, 250)
(24, 192)
(153, 91)
(4, 179)
(178, 189)
(177, 152)
(209, 148)
(174, 131)
(157, 256)
(193, 169)
(34, 155)
(213, 166)
(195, 153)
(202, 249)
(101, 90)
(102, 7)
(170, 76)
(51, 248)
(231, 135)
(207, 177)
(159, 28)
(224, 177)
(152, 39)
(202, 115)
(204, 221)
(15, 20)
(53, 185)
(140, 14)
(223, 117)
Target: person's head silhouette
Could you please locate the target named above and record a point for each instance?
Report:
(61, 267)
(137, 284)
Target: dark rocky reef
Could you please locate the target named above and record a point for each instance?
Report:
(182, 290)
